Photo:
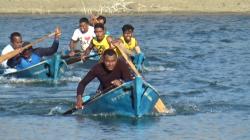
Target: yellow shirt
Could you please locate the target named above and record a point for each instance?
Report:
(100, 47)
(131, 45)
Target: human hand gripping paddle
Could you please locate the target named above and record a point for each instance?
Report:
(72, 110)
(159, 106)
(17, 51)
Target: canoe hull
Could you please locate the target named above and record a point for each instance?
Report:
(47, 69)
(125, 101)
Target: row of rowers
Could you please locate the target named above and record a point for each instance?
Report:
(90, 36)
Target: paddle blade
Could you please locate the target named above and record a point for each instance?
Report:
(160, 107)
(85, 99)
(70, 111)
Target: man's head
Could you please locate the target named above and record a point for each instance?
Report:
(99, 31)
(127, 30)
(84, 25)
(109, 59)
(27, 52)
(101, 19)
(16, 40)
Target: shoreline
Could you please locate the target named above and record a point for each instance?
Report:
(179, 13)
(123, 7)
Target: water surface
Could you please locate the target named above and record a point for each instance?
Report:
(198, 63)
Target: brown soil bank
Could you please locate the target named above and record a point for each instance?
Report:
(122, 6)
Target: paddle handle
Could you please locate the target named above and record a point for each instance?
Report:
(130, 63)
(39, 40)
(17, 51)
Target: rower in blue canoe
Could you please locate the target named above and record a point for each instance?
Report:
(130, 43)
(83, 35)
(111, 72)
(15, 44)
(32, 56)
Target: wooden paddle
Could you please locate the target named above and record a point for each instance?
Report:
(159, 106)
(72, 110)
(125, 56)
(77, 58)
(77, 53)
(17, 51)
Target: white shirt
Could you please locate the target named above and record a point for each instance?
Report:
(6, 50)
(84, 38)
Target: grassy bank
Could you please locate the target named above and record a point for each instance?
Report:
(122, 6)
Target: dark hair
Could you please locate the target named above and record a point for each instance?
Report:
(84, 20)
(127, 27)
(99, 25)
(14, 34)
(109, 52)
(25, 44)
(102, 18)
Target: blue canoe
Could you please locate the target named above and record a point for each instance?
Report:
(50, 69)
(133, 99)
(138, 60)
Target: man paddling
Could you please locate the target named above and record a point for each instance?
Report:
(129, 42)
(15, 43)
(83, 34)
(100, 43)
(111, 72)
(32, 56)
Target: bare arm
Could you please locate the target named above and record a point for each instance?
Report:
(110, 39)
(72, 45)
(81, 87)
(137, 48)
(87, 51)
(85, 81)
(119, 43)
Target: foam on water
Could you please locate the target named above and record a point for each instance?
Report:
(13, 80)
(157, 68)
(60, 109)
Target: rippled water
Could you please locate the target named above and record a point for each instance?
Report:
(198, 63)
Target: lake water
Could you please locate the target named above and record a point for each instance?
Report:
(200, 64)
